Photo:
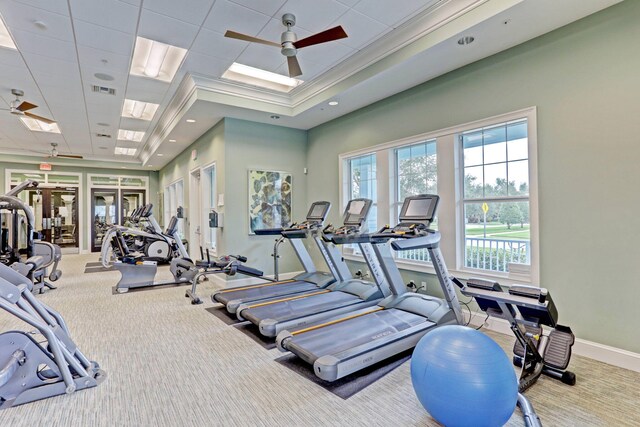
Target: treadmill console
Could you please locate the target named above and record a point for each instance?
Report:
(417, 213)
(355, 214)
(315, 218)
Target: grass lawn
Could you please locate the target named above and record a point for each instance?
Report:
(498, 231)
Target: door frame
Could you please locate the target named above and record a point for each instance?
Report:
(195, 212)
(92, 191)
(45, 184)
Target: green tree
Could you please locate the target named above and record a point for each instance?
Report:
(418, 175)
(509, 214)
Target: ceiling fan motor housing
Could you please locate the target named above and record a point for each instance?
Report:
(287, 39)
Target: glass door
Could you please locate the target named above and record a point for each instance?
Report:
(62, 208)
(104, 211)
(129, 201)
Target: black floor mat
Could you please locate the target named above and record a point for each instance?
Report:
(351, 384)
(252, 331)
(221, 313)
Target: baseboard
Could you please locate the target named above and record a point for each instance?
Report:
(221, 279)
(593, 350)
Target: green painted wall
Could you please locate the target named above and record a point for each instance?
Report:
(584, 80)
(251, 145)
(19, 162)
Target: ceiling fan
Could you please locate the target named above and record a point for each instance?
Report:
(20, 108)
(53, 153)
(289, 42)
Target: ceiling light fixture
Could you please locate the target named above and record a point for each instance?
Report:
(333, 103)
(258, 77)
(275, 117)
(160, 154)
(122, 151)
(130, 135)
(466, 40)
(103, 76)
(5, 37)
(139, 109)
(190, 121)
(156, 60)
(38, 126)
(172, 140)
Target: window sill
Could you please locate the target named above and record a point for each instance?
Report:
(462, 274)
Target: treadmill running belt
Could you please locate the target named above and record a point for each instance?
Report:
(267, 291)
(299, 307)
(351, 333)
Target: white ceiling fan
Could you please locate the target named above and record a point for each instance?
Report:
(53, 153)
(289, 43)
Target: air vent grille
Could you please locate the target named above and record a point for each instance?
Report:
(103, 135)
(103, 89)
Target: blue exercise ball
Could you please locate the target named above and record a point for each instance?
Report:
(463, 378)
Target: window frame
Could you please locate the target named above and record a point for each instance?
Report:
(449, 182)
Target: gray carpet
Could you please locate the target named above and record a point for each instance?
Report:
(170, 363)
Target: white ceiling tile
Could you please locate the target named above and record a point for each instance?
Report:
(10, 57)
(133, 2)
(58, 6)
(103, 38)
(143, 89)
(19, 16)
(268, 7)
(133, 124)
(326, 53)
(262, 56)
(107, 13)
(211, 43)
(95, 57)
(206, 65)
(361, 29)
(164, 29)
(230, 16)
(349, 3)
(45, 46)
(400, 12)
(57, 67)
(195, 13)
(313, 15)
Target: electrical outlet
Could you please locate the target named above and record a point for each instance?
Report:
(423, 285)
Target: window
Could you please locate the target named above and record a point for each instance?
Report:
(485, 173)
(174, 198)
(362, 172)
(495, 177)
(416, 173)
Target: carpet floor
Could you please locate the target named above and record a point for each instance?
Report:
(170, 363)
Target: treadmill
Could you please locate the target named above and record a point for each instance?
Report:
(296, 311)
(346, 344)
(308, 281)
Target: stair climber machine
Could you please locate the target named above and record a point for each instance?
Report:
(341, 297)
(148, 239)
(528, 309)
(38, 260)
(346, 344)
(311, 280)
(33, 367)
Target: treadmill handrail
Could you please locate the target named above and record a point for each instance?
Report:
(408, 242)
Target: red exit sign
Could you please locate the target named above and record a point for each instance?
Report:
(45, 166)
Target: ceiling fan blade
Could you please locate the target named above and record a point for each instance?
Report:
(331, 34)
(294, 66)
(239, 36)
(69, 156)
(42, 119)
(24, 106)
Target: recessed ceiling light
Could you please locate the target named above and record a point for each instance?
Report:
(258, 77)
(466, 40)
(156, 60)
(190, 121)
(172, 140)
(274, 117)
(5, 37)
(160, 154)
(333, 103)
(103, 76)
(139, 109)
(122, 151)
(38, 126)
(130, 135)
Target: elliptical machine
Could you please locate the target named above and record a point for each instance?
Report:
(32, 370)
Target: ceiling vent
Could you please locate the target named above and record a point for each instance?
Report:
(103, 89)
(103, 135)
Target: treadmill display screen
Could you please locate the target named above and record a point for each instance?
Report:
(418, 207)
(318, 211)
